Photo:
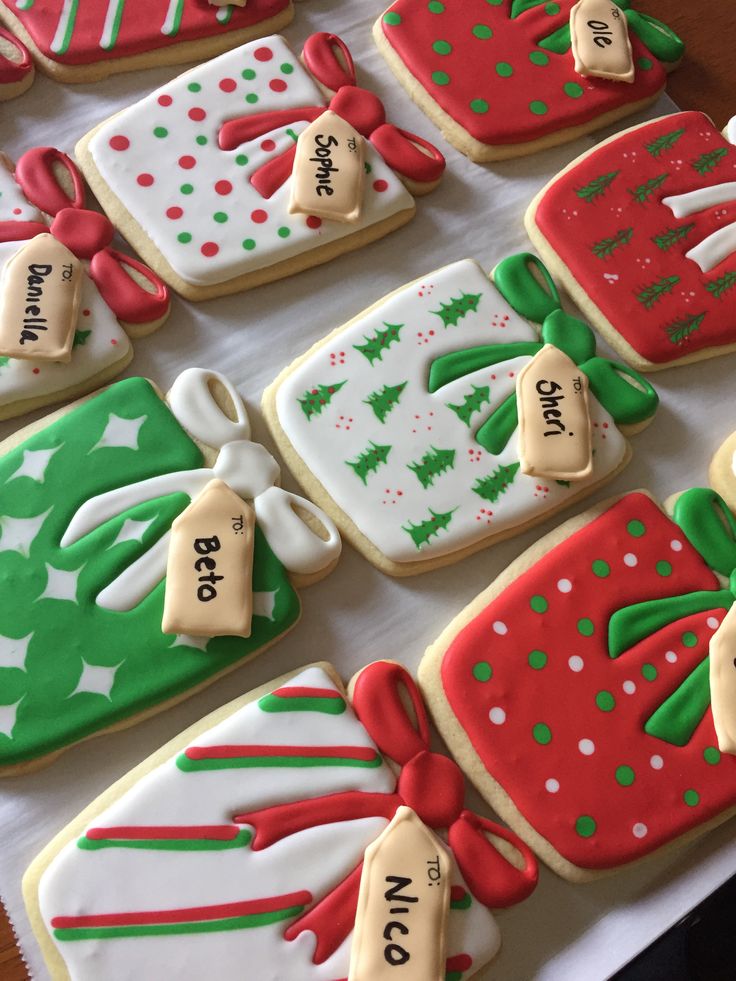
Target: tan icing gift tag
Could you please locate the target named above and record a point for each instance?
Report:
(39, 301)
(600, 41)
(209, 575)
(554, 420)
(723, 682)
(403, 905)
(327, 178)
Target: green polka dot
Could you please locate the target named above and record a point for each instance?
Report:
(160, 132)
(539, 604)
(691, 798)
(689, 639)
(504, 69)
(194, 87)
(663, 568)
(605, 701)
(585, 627)
(636, 528)
(537, 660)
(538, 108)
(601, 569)
(479, 105)
(539, 58)
(251, 98)
(585, 826)
(284, 232)
(552, 9)
(573, 90)
(220, 217)
(201, 140)
(392, 18)
(645, 64)
(287, 68)
(184, 237)
(494, 3)
(649, 672)
(248, 74)
(440, 78)
(482, 32)
(442, 47)
(711, 755)
(249, 244)
(186, 188)
(624, 776)
(542, 733)
(435, 7)
(241, 160)
(482, 671)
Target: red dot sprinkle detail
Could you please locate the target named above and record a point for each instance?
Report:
(145, 180)
(259, 216)
(186, 162)
(228, 84)
(380, 186)
(165, 100)
(223, 187)
(197, 114)
(16, 211)
(210, 249)
(119, 142)
(174, 213)
(314, 222)
(268, 145)
(277, 85)
(263, 54)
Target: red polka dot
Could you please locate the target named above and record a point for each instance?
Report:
(210, 249)
(165, 100)
(16, 211)
(263, 54)
(223, 187)
(174, 213)
(186, 162)
(259, 216)
(314, 222)
(85, 313)
(36, 371)
(268, 145)
(113, 342)
(145, 180)
(119, 142)
(380, 185)
(197, 114)
(277, 85)
(228, 84)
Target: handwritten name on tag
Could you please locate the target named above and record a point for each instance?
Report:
(723, 682)
(554, 419)
(209, 574)
(404, 901)
(39, 301)
(600, 41)
(329, 170)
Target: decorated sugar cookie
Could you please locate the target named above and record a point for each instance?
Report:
(256, 165)
(404, 424)
(504, 78)
(16, 66)
(641, 231)
(123, 583)
(590, 691)
(84, 42)
(69, 301)
(281, 832)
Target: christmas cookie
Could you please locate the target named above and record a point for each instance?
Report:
(94, 505)
(577, 691)
(242, 840)
(403, 424)
(642, 232)
(503, 78)
(206, 175)
(16, 67)
(52, 349)
(75, 42)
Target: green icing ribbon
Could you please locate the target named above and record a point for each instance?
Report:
(524, 281)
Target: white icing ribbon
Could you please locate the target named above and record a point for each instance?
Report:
(730, 130)
(192, 402)
(720, 244)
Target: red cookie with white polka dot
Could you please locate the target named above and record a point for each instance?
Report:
(506, 78)
(589, 692)
(256, 165)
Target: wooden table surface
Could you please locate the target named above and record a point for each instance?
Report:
(703, 81)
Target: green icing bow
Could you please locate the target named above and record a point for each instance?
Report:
(710, 527)
(623, 392)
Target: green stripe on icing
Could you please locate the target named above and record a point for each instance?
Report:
(112, 24)
(24, 4)
(276, 703)
(224, 14)
(65, 28)
(172, 22)
(295, 762)
(242, 840)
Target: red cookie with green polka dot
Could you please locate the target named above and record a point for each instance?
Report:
(575, 690)
(498, 76)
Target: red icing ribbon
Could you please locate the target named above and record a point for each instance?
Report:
(87, 234)
(12, 71)
(328, 59)
(390, 707)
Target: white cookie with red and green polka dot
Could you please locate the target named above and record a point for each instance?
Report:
(198, 175)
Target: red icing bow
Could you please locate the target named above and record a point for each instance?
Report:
(14, 70)
(42, 174)
(328, 59)
(431, 784)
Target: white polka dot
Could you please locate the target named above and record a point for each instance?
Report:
(656, 762)
(676, 545)
(575, 663)
(640, 830)
(564, 585)
(671, 657)
(500, 627)
(630, 560)
(497, 715)
(713, 622)
(586, 747)
(629, 687)
(552, 785)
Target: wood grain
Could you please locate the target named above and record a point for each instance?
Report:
(703, 81)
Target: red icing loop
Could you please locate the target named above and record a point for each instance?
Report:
(377, 701)
(129, 301)
(19, 231)
(35, 174)
(14, 71)
(408, 154)
(492, 879)
(327, 57)
(84, 232)
(433, 786)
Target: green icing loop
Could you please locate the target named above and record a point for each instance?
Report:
(629, 402)
(709, 526)
(663, 43)
(517, 283)
(677, 718)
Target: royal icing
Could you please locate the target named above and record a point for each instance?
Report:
(328, 175)
(645, 225)
(722, 682)
(408, 416)
(601, 47)
(16, 66)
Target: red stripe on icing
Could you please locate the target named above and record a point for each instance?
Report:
(230, 752)
(209, 832)
(300, 691)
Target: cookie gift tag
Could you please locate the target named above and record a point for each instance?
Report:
(327, 180)
(600, 41)
(723, 682)
(554, 417)
(39, 301)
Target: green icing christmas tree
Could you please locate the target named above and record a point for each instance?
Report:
(386, 400)
(454, 311)
(605, 247)
(434, 463)
(375, 346)
(80, 338)
(671, 236)
(721, 285)
(591, 192)
(314, 401)
(707, 162)
(649, 295)
(472, 402)
(3, 362)
(665, 142)
(490, 488)
(643, 192)
(369, 460)
(421, 533)
(679, 330)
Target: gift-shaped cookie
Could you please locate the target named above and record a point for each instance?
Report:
(69, 301)
(641, 230)
(16, 67)
(96, 504)
(212, 176)
(503, 78)
(75, 42)
(590, 691)
(404, 424)
(242, 842)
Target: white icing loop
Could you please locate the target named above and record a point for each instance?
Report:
(682, 205)
(192, 402)
(292, 541)
(712, 251)
(248, 468)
